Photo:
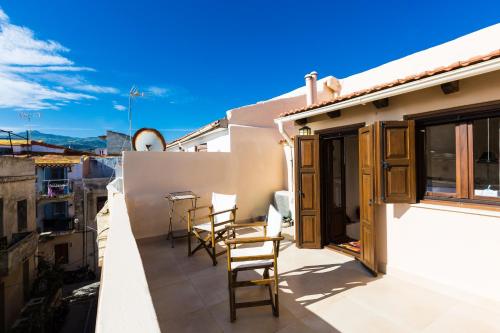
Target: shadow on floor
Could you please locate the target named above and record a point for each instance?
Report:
(189, 294)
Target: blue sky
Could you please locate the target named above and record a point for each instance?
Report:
(73, 62)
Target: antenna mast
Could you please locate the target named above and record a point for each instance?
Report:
(28, 116)
(134, 92)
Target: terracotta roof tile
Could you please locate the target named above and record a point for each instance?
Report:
(410, 78)
(46, 160)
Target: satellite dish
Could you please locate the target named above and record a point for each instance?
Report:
(148, 139)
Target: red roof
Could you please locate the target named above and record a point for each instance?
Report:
(415, 77)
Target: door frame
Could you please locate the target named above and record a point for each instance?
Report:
(326, 186)
(338, 132)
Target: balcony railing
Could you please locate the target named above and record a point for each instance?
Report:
(56, 187)
(22, 245)
(57, 225)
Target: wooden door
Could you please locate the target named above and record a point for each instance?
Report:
(61, 253)
(307, 194)
(366, 197)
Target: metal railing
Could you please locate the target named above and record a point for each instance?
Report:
(59, 224)
(55, 187)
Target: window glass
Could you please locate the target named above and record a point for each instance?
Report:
(440, 156)
(486, 153)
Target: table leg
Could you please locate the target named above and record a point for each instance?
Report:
(171, 231)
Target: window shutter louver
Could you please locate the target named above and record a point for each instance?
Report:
(396, 159)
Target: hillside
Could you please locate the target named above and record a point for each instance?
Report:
(84, 144)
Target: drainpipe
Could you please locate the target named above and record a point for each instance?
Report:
(284, 134)
(289, 164)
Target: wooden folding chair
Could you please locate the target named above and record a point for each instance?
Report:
(264, 256)
(211, 228)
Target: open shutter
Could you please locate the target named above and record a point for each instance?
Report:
(397, 182)
(307, 194)
(366, 197)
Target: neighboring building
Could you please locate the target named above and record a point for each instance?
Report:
(70, 192)
(216, 136)
(116, 142)
(18, 147)
(421, 199)
(18, 236)
(213, 137)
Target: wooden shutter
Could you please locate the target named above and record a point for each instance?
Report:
(366, 196)
(396, 160)
(307, 194)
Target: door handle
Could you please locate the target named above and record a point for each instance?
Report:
(370, 202)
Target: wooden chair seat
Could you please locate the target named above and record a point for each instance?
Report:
(208, 227)
(246, 252)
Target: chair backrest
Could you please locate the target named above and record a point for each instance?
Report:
(222, 202)
(274, 222)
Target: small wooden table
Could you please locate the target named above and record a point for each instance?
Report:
(173, 198)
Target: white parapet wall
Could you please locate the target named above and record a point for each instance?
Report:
(125, 303)
(254, 170)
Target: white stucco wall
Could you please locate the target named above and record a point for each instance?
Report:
(125, 303)
(219, 144)
(253, 170)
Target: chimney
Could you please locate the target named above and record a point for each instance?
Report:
(311, 88)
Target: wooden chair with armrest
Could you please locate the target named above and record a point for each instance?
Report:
(209, 229)
(262, 255)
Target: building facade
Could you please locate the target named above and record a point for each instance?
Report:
(18, 236)
(404, 174)
(71, 191)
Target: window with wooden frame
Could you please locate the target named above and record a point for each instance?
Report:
(459, 159)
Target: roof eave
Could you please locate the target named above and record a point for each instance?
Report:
(456, 74)
(207, 129)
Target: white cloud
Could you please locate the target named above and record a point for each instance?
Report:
(97, 89)
(42, 69)
(29, 67)
(19, 93)
(156, 91)
(119, 107)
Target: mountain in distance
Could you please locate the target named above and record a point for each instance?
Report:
(83, 144)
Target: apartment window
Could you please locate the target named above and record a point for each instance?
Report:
(1, 217)
(59, 209)
(101, 201)
(461, 160)
(22, 215)
(61, 253)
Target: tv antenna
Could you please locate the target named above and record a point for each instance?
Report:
(29, 116)
(134, 92)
